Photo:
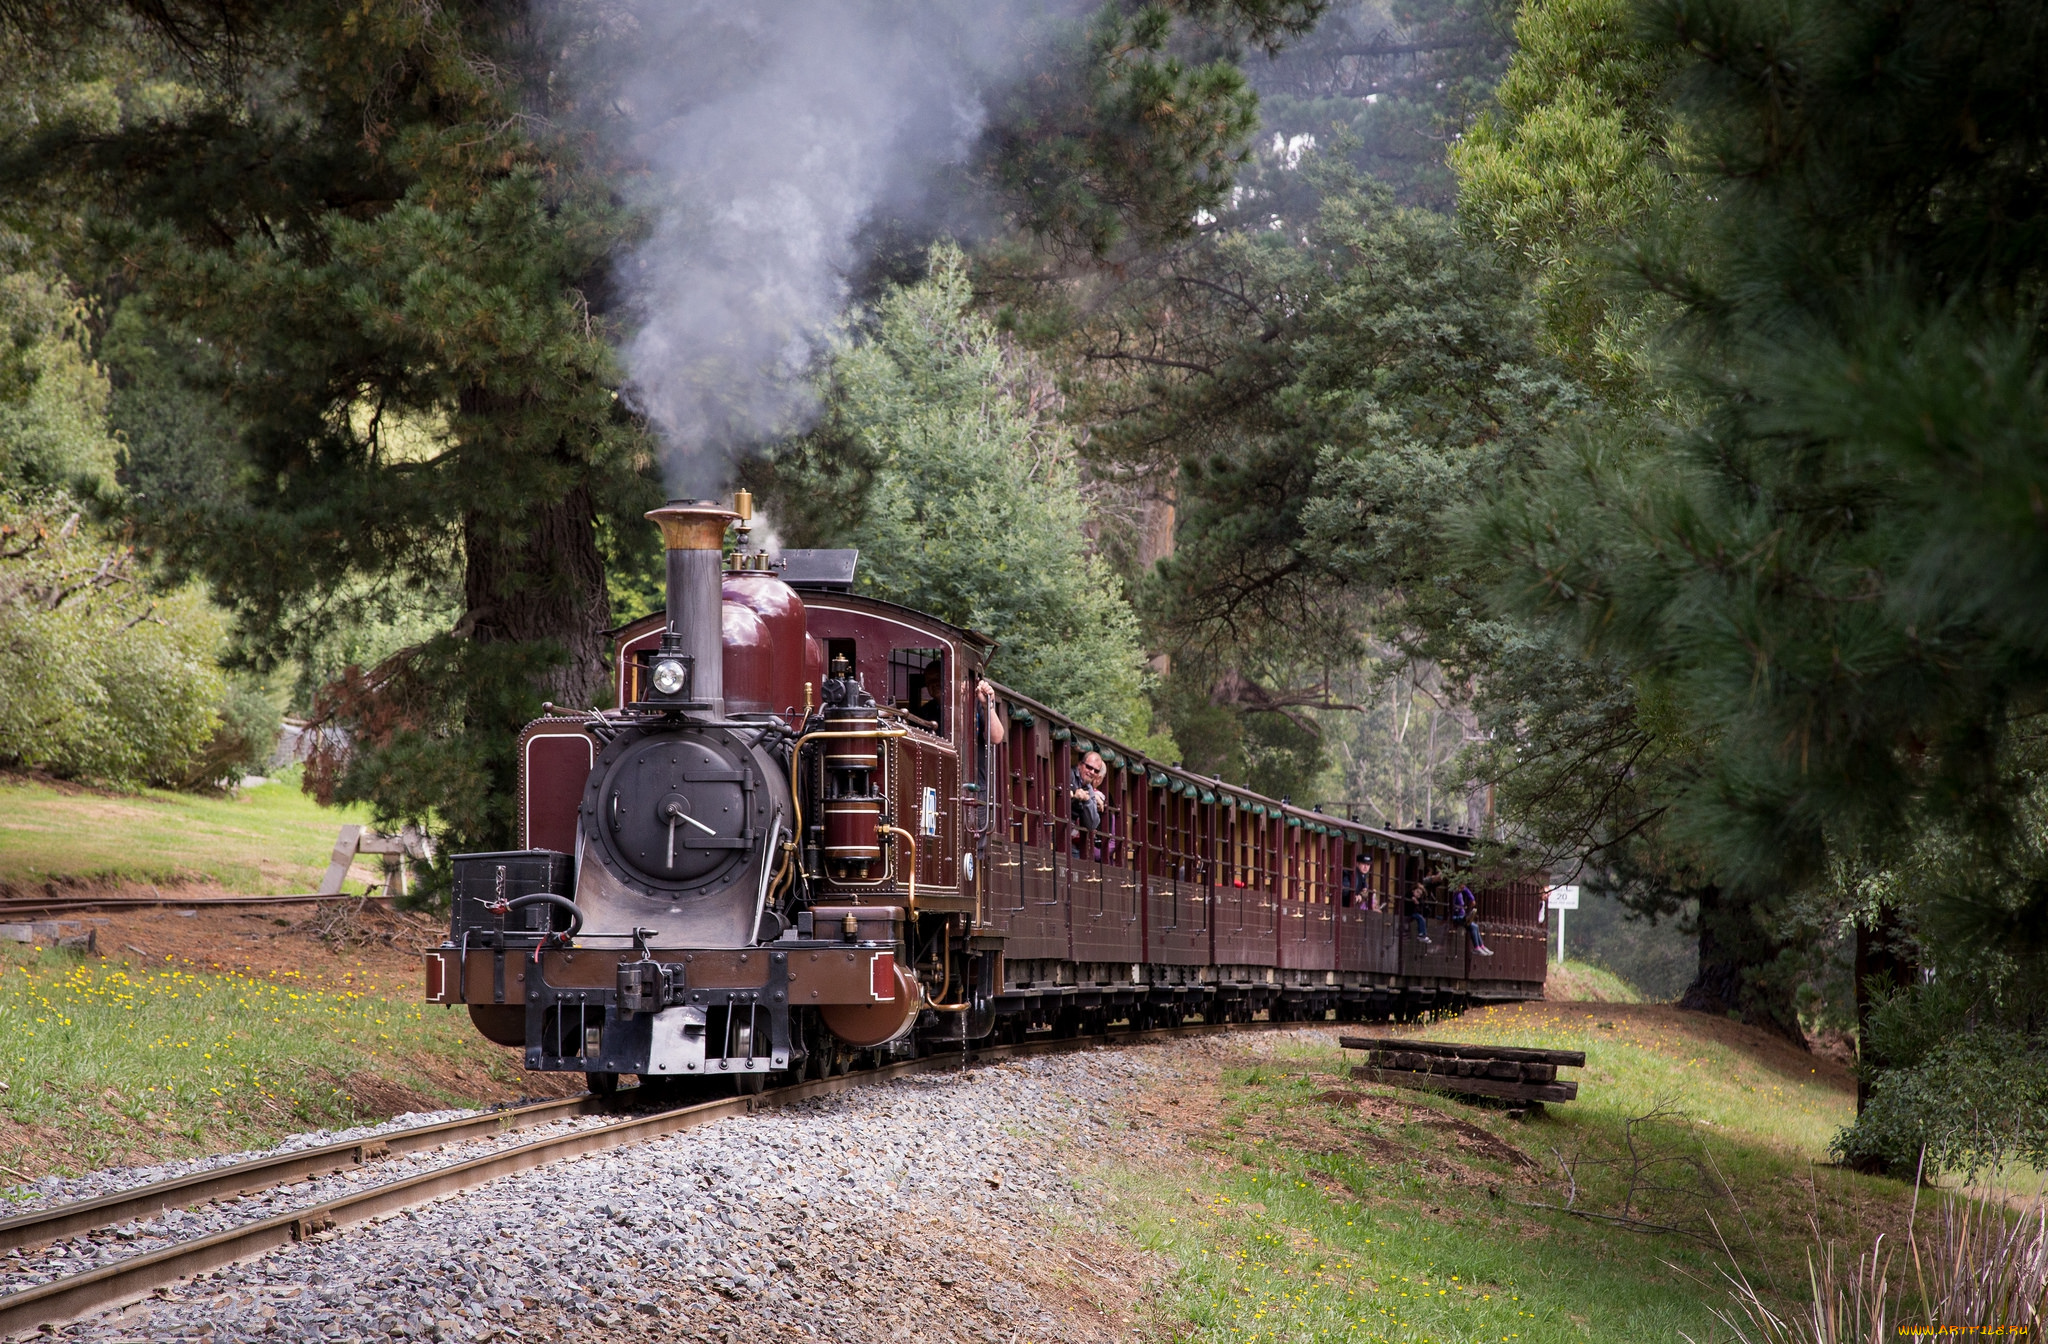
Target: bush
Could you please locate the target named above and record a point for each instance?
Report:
(53, 397)
(1963, 1078)
(100, 678)
(1977, 1100)
(243, 740)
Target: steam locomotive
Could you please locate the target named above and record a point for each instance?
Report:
(811, 837)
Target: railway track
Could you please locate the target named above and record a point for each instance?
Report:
(144, 1201)
(15, 908)
(67, 1298)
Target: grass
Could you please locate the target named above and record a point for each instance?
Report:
(1314, 1211)
(1637, 1062)
(1582, 981)
(111, 1062)
(265, 840)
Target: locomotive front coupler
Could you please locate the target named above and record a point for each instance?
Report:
(675, 1013)
(653, 1022)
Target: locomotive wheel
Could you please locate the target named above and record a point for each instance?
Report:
(603, 1084)
(749, 1084)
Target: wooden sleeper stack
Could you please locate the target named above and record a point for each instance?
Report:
(1509, 1072)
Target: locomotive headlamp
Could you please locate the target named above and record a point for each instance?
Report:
(669, 676)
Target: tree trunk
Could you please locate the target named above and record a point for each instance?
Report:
(1156, 543)
(543, 583)
(1737, 958)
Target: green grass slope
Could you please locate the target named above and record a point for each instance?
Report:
(1581, 981)
(132, 1059)
(265, 840)
(1315, 1208)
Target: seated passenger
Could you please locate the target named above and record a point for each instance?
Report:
(1465, 910)
(1418, 901)
(925, 698)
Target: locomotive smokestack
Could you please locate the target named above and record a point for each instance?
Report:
(694, 534)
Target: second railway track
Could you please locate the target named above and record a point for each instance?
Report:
(72, 1296)
(43, 1226)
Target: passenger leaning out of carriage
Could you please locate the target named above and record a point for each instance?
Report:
(1465, 910)
(1089, 805)
(1358, 884)
(989, 728)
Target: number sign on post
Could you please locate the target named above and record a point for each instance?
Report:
(1561, 900)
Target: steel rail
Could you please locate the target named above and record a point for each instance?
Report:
(264, 1173)
(61, 1300)
(15, 905)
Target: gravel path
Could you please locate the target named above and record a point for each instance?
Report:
(941, 1207)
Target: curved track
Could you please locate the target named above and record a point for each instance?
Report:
(67, 1298)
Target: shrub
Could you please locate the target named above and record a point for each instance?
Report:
(243, 740)
(100, 677)
(1976, 1100)
(1958, 1072)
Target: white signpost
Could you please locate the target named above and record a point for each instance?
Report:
(1561, 900)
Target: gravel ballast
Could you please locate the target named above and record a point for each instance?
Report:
(940, 1206)
(35, 1196)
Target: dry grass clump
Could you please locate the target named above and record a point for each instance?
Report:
(1982, 1272)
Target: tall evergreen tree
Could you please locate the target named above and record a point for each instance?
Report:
(378, 238)
(1322, 395)
(971, 507)
(1824, 561)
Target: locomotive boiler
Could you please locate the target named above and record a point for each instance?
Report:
(811, 834)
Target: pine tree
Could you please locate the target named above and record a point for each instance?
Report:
(379, 241)
(1323, 396)
(972, 508)
(1824, 560)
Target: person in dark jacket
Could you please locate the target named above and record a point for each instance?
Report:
(1418, 900)
(1088, 804)
(929, 693)
(1358, 890)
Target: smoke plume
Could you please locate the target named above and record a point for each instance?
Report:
(768, 135)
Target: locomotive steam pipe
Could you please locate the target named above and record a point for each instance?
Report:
(558, 902)
(912, 866)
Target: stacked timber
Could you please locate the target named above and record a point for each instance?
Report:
(1509, 1072)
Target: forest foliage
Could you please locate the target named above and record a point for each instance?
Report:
(1611, 424)
(972, 507)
